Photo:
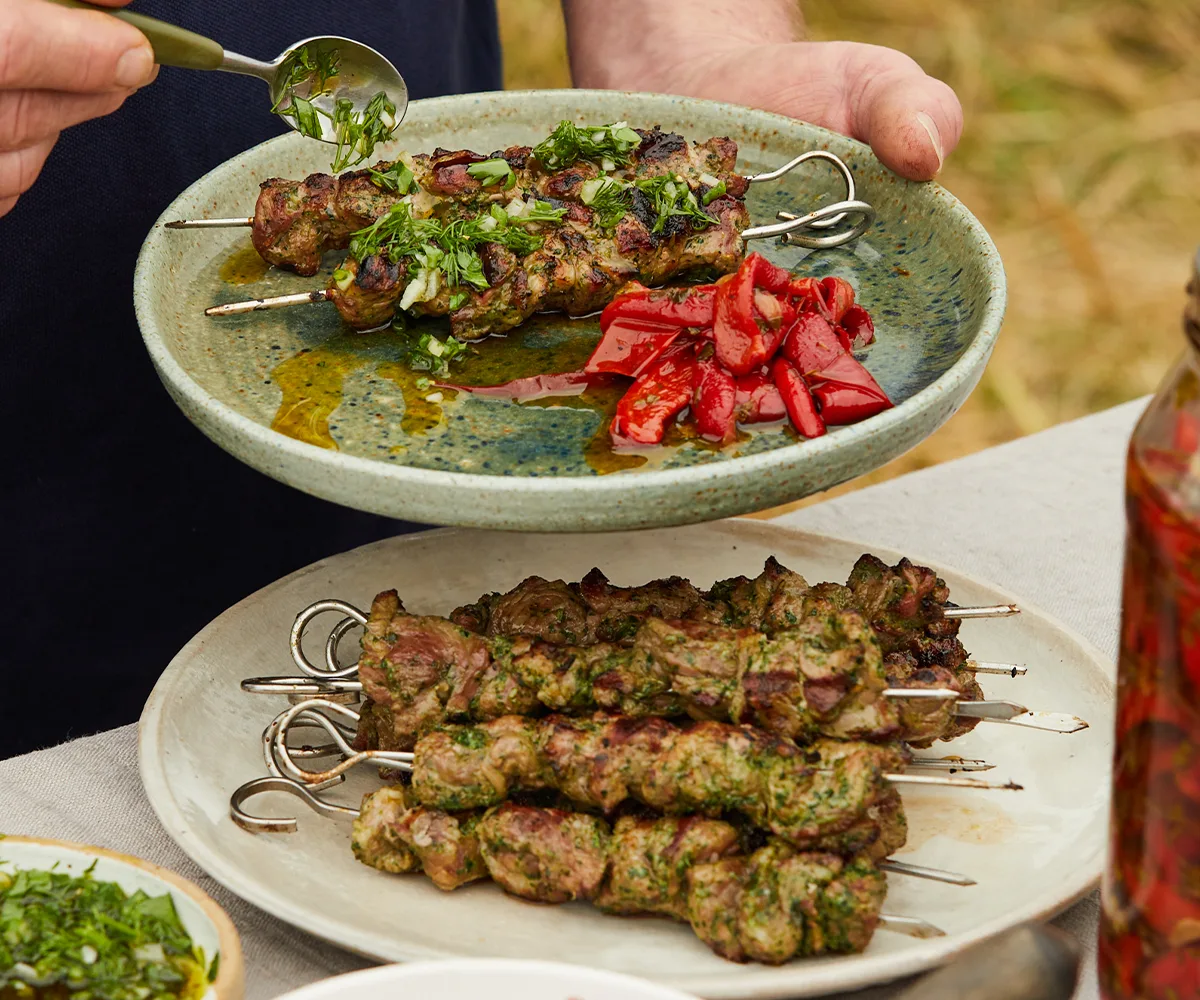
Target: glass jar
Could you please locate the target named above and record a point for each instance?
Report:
(1150, 918)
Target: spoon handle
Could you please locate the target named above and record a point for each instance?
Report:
(173, 46)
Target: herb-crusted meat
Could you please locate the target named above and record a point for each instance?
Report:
(818, 797)
(768, 905)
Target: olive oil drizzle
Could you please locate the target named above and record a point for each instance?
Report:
(313, 383)
(244, 266)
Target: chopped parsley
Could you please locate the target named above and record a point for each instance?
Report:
(609, 146)
(355, 133)
(90, 940)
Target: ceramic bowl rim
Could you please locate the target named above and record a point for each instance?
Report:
(397, 974)
(965, 368)
(230, 981)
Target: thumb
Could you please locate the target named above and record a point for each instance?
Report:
(911, 120)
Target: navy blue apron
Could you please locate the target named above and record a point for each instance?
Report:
(124, 529)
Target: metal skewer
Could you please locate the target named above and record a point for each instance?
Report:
(271, 302)
(992, 611)
(281, 758)
(989, 710)
(987, 667)
(951, 764)
(986, 710)
(210, 224)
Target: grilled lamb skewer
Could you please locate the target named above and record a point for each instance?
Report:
(824, 676)
(906, 604)
(770, 905)
(834, 795)
(579, 269)
(296, 222)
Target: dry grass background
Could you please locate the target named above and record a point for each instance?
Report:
(1081, 156)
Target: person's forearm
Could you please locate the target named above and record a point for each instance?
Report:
(638, 44)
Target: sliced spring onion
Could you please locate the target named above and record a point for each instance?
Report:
(492, 172)
(713, 193)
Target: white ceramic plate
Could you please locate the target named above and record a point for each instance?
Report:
(495, 979)
(1032, 852)
(204, 921)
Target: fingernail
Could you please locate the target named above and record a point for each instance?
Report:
(135, 67)
(935, 137)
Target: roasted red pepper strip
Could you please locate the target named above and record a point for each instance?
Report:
(807, 290)
(767, 275)
(811, 344)
(847, 392)
(797, 399)
(838, 295)
(660, 392)
(558, 384)
(744, 342)
(758, 400)
(859, 327)
(629, 344)
(713, 402)
(677, 306)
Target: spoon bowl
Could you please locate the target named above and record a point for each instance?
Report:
(362, 73)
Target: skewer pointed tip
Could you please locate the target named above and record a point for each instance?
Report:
(942, 781)
(920, 871)
(951, 764)
(209, 224)
(912, 926)
(275, 302)
(990, 611)
(987, 667)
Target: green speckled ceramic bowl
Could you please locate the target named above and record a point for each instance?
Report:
(298, 397)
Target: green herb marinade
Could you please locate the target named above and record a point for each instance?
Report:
(73, 936)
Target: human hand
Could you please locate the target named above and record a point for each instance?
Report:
(59, 67)
(878, 95)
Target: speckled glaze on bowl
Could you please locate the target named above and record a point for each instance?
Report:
(927, 271)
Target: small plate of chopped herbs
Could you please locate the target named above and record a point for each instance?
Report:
(86, 922)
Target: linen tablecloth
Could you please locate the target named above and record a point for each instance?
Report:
(1041, 517)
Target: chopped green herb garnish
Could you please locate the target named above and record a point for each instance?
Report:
(317, 69)
(672, 196)
(609, 198)
(426, 353)
(541, 211)
(356, 134)
(397, 179)
(492, 172)
(306, 115)
(569, 143)
(90, 940)
(713, 193)
(457, 299)
(446, 252)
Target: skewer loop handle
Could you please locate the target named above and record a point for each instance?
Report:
(280, 824)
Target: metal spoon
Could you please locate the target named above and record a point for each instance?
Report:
(362, 71)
